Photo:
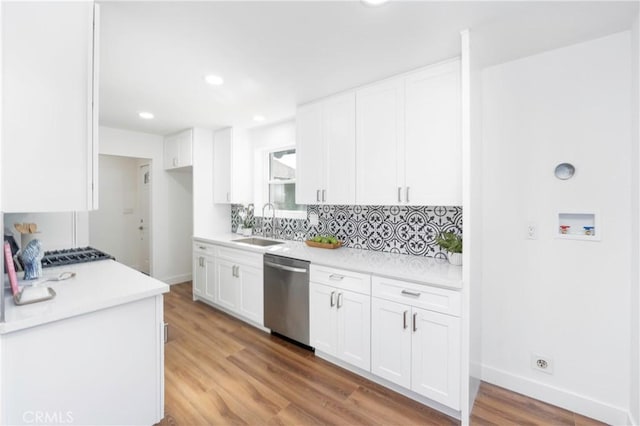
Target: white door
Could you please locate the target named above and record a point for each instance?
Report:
(435, 358)
(354, 328)
(251, 293)
(391, 341)
(222, 166)
(379, 135)
(322, 318)
(433, 142)
(226, 284)
(309, 156)
(144, 193)
(339, 137)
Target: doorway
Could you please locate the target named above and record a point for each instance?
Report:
(121, 226)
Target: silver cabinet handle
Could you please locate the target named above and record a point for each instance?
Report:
(410, 293)
(201, 261)
(318, 195)
(228, 196)
(323, 195)
(202, 247)
(165, 326)
(285, 268)
(415, 323)
(333, 302)
(406, 194)
(336, 277)
(175, 161)
(404, 319)
(339, 300)
(399, 194)
(233, 270)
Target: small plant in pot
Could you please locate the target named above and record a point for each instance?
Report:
(452, 243)
(247, 227)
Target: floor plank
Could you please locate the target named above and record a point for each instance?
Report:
(221, 371)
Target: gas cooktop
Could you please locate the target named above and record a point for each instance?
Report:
(72, 256)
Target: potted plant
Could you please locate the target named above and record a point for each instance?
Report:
(452, 243)
(247, 227)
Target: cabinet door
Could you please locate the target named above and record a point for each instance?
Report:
(49, 117)
(322, 318)
(309, 154)
(222, 166)
(354, 328)
(251, 293)
(199, 275)
(391, 341)
(435, 358)
(227, 284)
(185, 148)
(379, 133)
(171, 153)
(433, 141)
(209, 278)
(339, 137)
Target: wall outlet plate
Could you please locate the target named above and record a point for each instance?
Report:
(542, 363)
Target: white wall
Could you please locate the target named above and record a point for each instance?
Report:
(112, 228)
(565, 299)
(59, 230)
(169, 209)
(635, 225)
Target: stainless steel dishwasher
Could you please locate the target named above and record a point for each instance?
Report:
(286, 297)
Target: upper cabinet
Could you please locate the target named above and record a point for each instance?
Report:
(49, 106)
(178, 150)
(326, 151)
(232, 171)
(409, 139)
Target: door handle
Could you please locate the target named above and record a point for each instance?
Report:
(318, 195)
(332, 301)
(410, 293)
(399, 194)
(323, 195)
(339, 300)
(165, 326)
(406, 194)
(404, 320)
(415, 324)
(285, 268)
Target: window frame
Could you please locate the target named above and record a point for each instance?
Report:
(266, 181)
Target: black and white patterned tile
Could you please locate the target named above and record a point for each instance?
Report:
(395, 229)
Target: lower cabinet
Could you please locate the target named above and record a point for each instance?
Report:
(230, 279)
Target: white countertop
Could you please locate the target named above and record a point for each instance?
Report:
(97, 285)
(419, 269)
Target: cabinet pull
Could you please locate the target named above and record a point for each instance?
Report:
(336, 277)
(410, 293)
(228, 196)
(165, 326)
(323, 195)
(399, 194)
(339, 300)
(404, 319)
(406, 194)
(201, 261)
(317, 195)
(175, 161)
(202, 247)
(333, 302)
(415, 322)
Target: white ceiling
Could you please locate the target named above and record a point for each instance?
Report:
(274, 55)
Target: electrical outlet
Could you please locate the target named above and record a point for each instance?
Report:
(542, 363)
(313, 219)
(532, 231)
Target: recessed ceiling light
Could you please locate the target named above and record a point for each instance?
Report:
(214, 80)
(145, 115)
(258, 118)
(374, 2)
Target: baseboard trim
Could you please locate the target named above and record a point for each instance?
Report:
(562, 398)
(632, 421)
(177, 279)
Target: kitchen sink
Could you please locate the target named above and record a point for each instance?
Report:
(257, 242)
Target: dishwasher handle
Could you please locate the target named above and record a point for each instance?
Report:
(285, 268)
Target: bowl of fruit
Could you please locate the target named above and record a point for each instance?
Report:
(324, 241)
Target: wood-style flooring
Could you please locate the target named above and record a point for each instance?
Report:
(220, 371)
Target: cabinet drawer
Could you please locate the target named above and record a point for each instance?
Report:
(418, 295)
(239, 256)
(339, 278)
(203, 247)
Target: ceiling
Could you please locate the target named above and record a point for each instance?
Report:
(273, 55)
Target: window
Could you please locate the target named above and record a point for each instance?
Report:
(282, 180)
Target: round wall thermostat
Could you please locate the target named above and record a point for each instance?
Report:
(564, 171)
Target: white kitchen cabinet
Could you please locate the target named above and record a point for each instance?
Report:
(228, 287)
(326, 151)
(251, 304)
(409, 139)
(340, 315)
(178, 150)
(50, 106)
(232, 171)
(203, 272)
(414, 347)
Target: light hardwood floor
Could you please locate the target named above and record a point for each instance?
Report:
(221, 371)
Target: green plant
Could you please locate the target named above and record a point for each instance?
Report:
(248, 223)
(450, 242)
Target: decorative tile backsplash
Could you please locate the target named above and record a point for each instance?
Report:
(396, 229)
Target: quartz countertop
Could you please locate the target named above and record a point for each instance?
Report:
(418, 269)
(97, 285)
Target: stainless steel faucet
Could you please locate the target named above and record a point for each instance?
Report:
(273, 218)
